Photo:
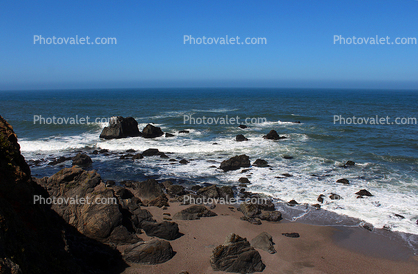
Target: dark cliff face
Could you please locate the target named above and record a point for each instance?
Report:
(33, 238)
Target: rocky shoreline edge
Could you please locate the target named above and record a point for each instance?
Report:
(76, 237)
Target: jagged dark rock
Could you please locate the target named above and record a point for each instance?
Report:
(273, 135)
(363, 192)
(82, 159)
(235, 163)
(236, 255)
(260, 163)
(120, 127)
(151, 131)
(343, 181)
(33, 237)
(240, 138)
(151, 152)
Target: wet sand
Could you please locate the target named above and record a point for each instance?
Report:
(319, 249)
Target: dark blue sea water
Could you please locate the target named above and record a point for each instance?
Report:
(386, 155)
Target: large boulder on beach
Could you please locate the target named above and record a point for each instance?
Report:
(194, 212)
(164, 230)
(264, 241)
(151, 252)
(120, 127)
(151, 131)
(236, 255)
(273, 135)
(235, 163)
(147, 190)
(261, 210)
(81, 189)
(120, 235)
(213, 191)
(175, 190)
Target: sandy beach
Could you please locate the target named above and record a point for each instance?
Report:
(319, 249)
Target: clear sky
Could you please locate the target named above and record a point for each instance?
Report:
(300, 50)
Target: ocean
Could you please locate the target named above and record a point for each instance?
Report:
(386, 155)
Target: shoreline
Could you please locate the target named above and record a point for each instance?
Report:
(319, 249)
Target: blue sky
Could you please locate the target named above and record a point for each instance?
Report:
(150, 52)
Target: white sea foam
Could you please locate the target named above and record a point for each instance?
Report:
(393, 193)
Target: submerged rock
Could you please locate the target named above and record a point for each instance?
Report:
(321, 198)
(334, 196)
(244, 180)
(349, 164)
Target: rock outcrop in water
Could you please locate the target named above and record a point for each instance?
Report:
(151, 131)
(235, 163)
(273, 135)
(82, 159)
(120, 127)
(240, 138)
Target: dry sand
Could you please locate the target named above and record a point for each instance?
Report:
(319, 249)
